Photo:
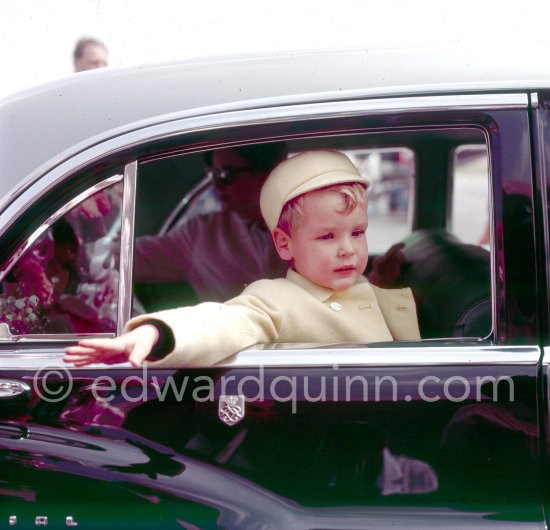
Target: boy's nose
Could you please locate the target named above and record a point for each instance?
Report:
(346, 247)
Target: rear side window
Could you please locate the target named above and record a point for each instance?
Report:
(67, 281)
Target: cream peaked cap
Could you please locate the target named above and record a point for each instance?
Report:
(299, 174)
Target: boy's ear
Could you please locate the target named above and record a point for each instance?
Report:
(282, 243)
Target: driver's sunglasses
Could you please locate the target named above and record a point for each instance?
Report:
(225, 176)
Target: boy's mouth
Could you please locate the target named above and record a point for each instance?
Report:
(346, 269)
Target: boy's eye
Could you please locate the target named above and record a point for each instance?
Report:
(358, 233)
(325, 237)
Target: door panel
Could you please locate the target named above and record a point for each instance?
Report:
(454, 437)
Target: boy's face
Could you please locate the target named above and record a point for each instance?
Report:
(327, 247)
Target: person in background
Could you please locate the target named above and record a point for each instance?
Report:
(89, 54)
(222, 252)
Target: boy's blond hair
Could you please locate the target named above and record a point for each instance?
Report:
(354, 194)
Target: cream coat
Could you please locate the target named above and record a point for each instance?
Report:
(290, 309)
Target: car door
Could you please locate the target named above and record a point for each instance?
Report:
(442, 431)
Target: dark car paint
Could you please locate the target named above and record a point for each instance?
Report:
(145, 449)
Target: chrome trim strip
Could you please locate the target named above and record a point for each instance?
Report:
(431, 354)
(545, 361)
(53, 218)
(305, 355)
(492, 242)
(212, 118)
(124, 306)
(543, 178)
(495, 324)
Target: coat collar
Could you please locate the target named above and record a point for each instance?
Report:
(321, 293)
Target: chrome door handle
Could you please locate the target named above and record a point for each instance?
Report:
(11, 388)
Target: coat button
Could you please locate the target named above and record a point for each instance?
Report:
(336, 306)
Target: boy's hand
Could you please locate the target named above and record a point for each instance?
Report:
(133, 346)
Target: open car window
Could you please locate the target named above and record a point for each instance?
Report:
(196, 249)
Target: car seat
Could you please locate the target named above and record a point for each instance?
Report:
(451, 284)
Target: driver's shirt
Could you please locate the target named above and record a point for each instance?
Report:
(219, 254)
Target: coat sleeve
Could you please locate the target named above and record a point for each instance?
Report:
(207, 333)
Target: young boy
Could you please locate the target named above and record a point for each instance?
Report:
(315, 206)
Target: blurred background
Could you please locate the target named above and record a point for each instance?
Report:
(37, 37)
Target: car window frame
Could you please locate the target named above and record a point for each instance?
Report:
(125, 146)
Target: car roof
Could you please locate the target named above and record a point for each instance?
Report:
(43, 125)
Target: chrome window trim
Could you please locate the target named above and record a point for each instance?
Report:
(545, 360)
(493, 254)
(296, 356)
(133, 135)
(492, 242)
(124, 306)
(544, 179)
(31, 240)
